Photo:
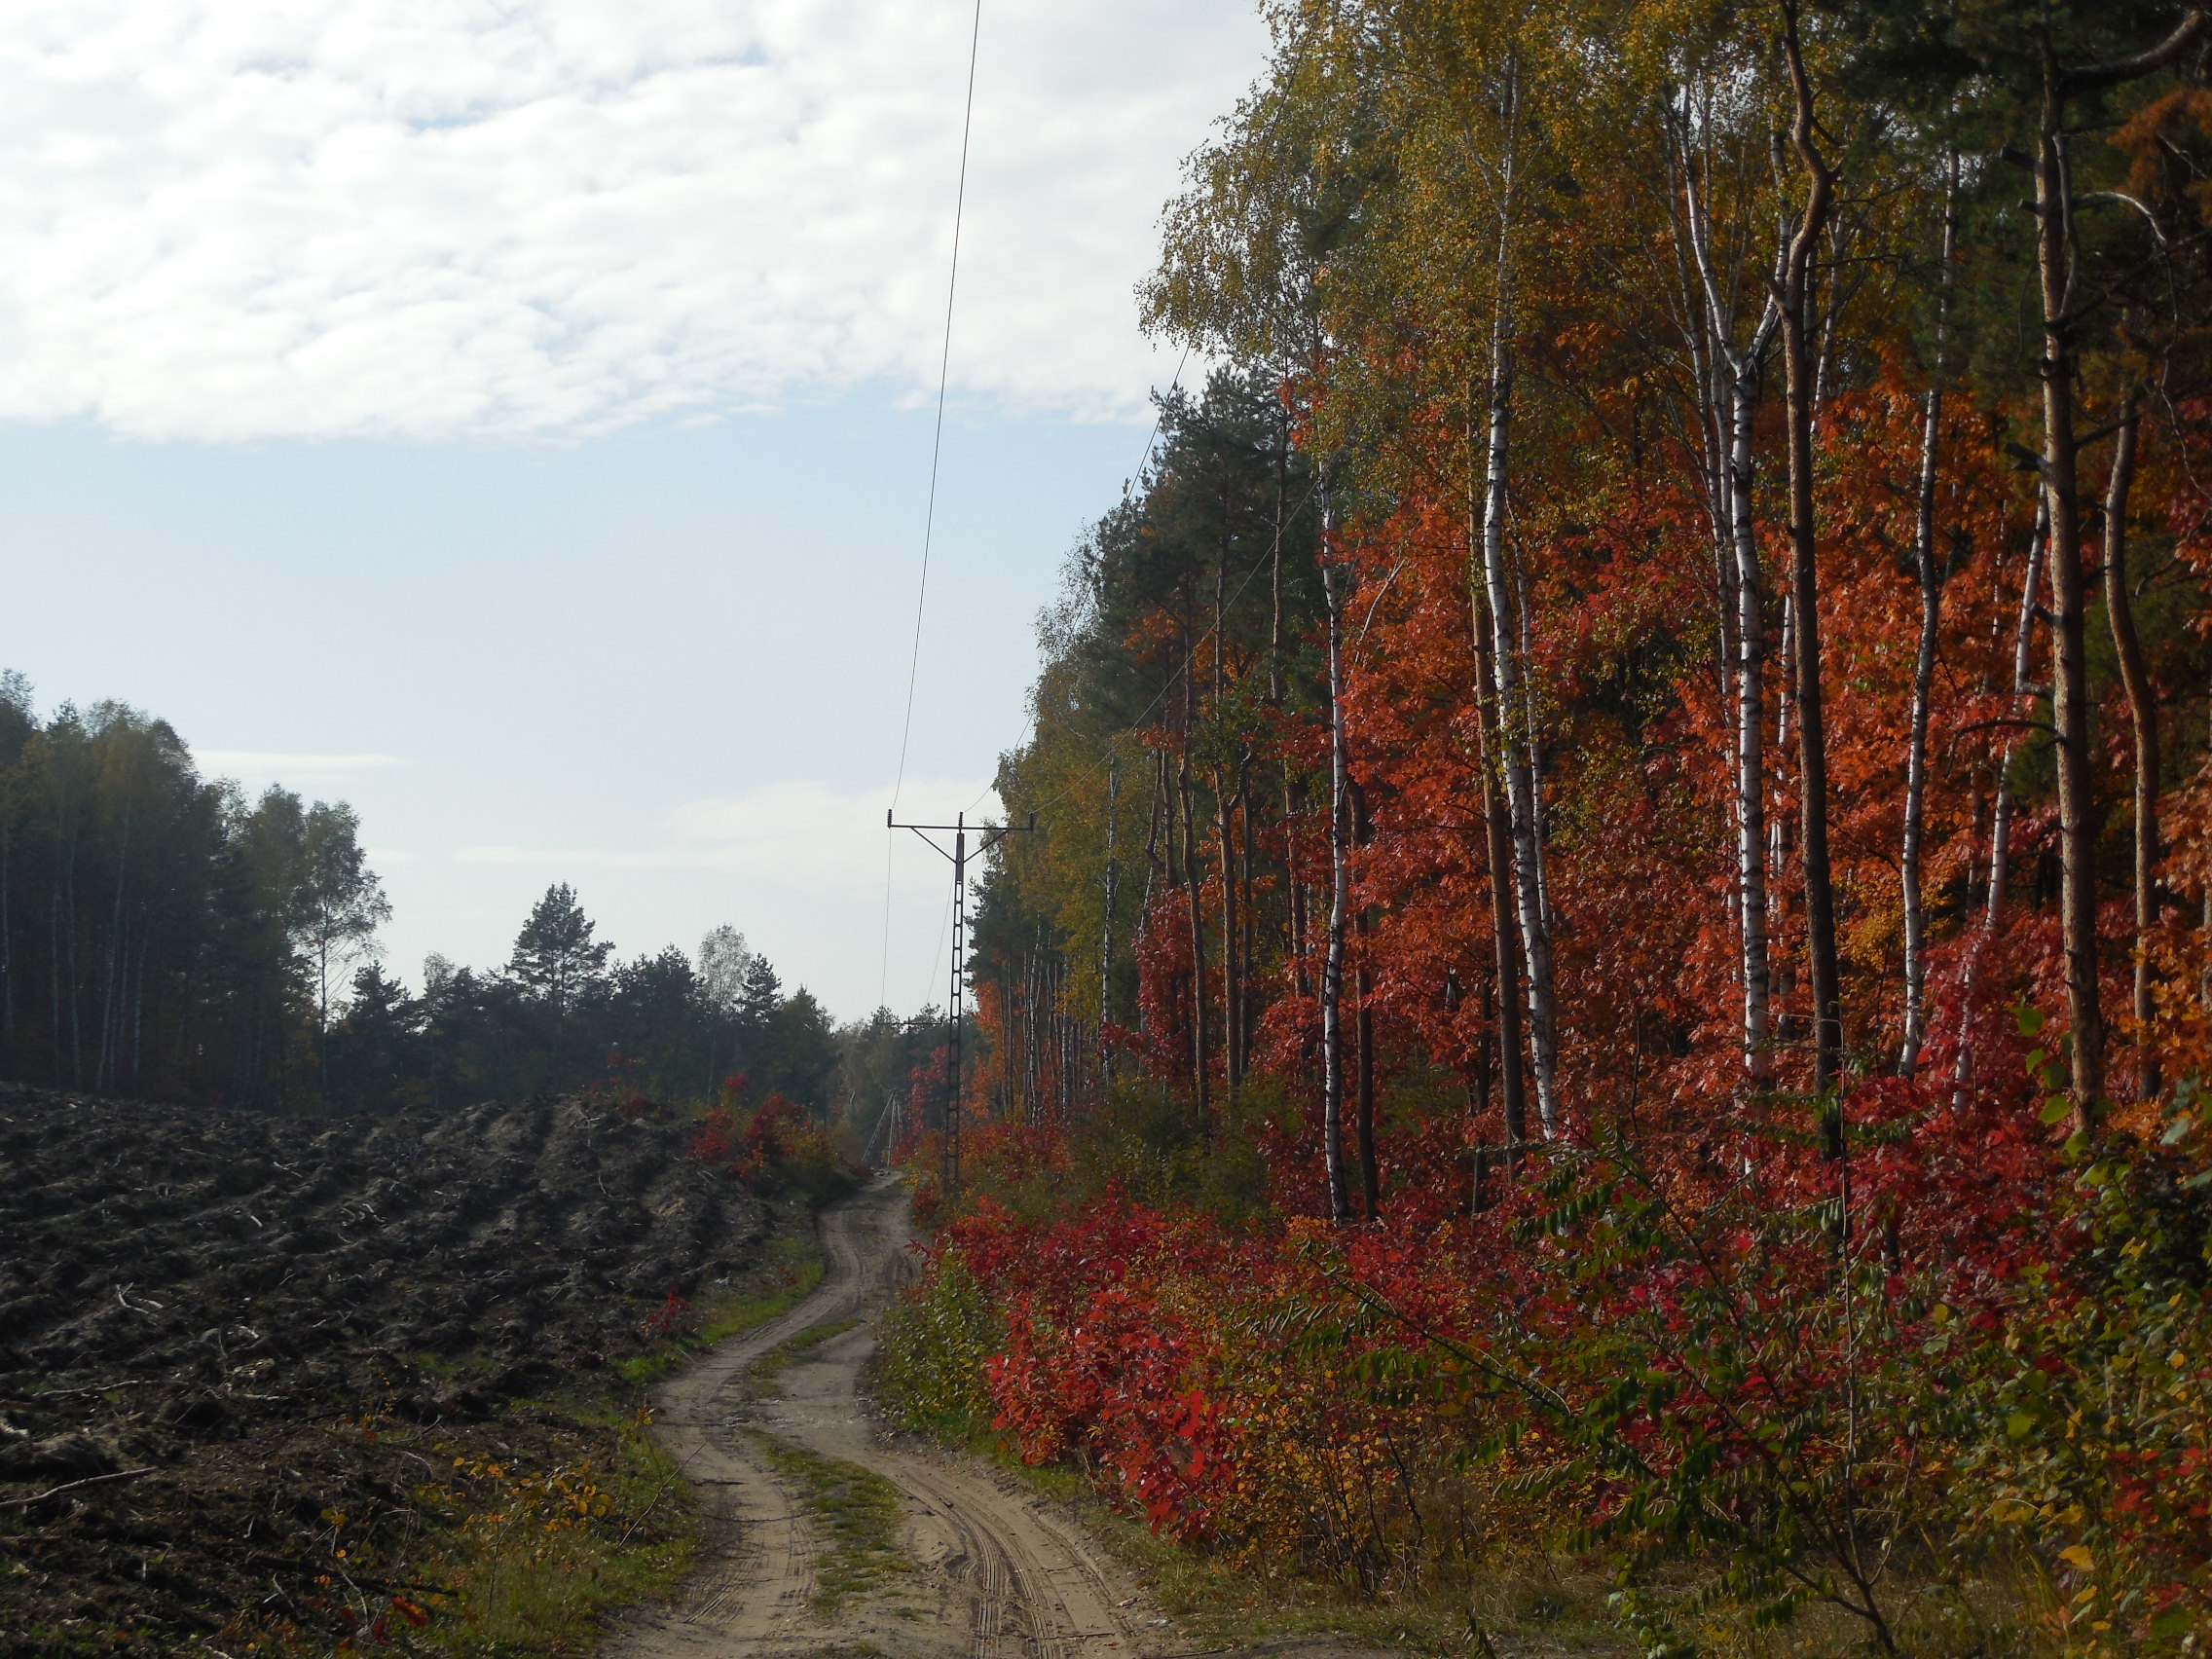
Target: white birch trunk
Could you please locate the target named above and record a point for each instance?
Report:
(1340, 892)
(1750, 730)
(1513, 706)
(2024, 647)
(2001, 817)
(1916, 750)
(1924, 669)
(1739, 366)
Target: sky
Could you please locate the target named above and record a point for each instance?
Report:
(516, 420)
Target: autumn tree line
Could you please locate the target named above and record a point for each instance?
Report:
(1615, 963)
(1685, 584)
(163, 936)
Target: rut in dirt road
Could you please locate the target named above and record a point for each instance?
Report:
(993, 1572)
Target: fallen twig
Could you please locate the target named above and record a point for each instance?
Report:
(72, 1486)
(95, 1389)
(639, 1519)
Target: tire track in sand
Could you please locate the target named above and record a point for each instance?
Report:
(998, 1574)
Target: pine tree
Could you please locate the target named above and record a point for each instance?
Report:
(555, 955)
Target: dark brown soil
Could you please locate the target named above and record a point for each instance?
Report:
(204, 1314)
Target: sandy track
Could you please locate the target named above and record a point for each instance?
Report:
(998, 1574)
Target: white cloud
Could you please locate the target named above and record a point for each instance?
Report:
(799, 835)
(230, 220)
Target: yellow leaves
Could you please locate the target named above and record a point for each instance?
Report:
(2012, 1511)
(2078, 1556)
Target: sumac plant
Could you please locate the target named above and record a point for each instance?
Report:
(773, 1147)
(1748, 1374)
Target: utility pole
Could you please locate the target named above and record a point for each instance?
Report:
(987, 837)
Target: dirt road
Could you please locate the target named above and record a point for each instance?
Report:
(995, 1575)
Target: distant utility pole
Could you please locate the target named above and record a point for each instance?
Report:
(987, 837)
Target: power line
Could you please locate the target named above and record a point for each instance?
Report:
(944, 372)
(937, 452)
(1159, 414)
(1143, 461)
(1274, 119)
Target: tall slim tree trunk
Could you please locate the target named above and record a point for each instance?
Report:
(1294, 888)
(1231, 967)
(76, 999)
(1512, 702)
(1202, 1071)
(1916, 743)
(1363, 924)
(2077, 815)
(2143, 712)
(1780, 816)
(1751, 734)
(1250, 946)
(1931, 573)
(1812, 737)
(2023, 649)
(1106, 926)
(2078, 819)
(138, 1006)
(1168, 823)
(1370, 1172)
(1742, 586)
(1201, 1036)
(1274, 559)
(1232, 1057)
(54, 978)
(1505, 932)
(117, 954)
(2000, 812)
(1340, 885)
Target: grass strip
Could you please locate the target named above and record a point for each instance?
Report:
(771, 1364)
(856, 1510)
(789, 1277)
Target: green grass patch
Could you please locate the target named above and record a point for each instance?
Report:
(787, 1273)
(536, 1555)
(771, 1364)
(856, 1510)
(522, 1532)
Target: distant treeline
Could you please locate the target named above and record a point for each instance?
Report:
(163, 937)
(159, 934)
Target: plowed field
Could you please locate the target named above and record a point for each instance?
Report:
(206, 1317)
